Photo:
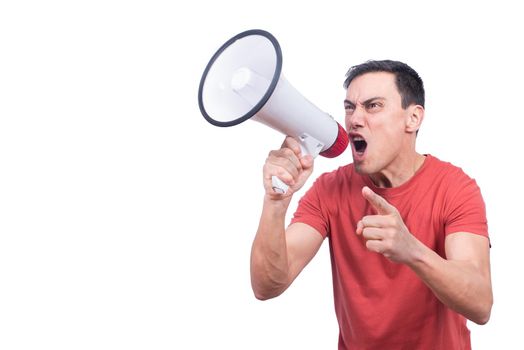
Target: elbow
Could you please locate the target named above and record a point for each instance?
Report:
(481, 304)
(262, 296)
(265, 289)
(268, 284)
(482, 320)
(266, 294)
(484, 314)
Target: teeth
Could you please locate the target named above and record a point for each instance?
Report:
(358, 138)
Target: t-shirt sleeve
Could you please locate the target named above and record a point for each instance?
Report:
(310, 211)
(466, 208)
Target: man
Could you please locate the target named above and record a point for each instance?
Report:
(407, 232)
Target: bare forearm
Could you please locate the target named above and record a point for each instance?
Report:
(269, 260)
(458, 284)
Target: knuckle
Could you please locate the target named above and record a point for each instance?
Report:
(287, 152)
(271, 155)
(280, 157)
(290, 141)
(281, 172)
(391, 220)
(391, 233)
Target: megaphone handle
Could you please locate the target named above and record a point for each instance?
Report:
(278, 185)
(308, 145)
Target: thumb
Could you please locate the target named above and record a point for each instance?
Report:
(379, 203)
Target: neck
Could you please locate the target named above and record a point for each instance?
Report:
(398, 171)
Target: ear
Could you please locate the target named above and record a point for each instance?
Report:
(414, 118)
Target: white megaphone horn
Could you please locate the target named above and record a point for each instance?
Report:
(243, 81)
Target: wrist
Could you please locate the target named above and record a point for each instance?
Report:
(277, 203)
(420, 256)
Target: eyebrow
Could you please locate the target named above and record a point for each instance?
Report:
(348, 103)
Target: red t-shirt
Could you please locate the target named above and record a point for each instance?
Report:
(381, 304)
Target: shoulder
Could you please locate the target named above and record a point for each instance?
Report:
(463, 207)
(446, 185)
(340, 171)
(337, 177)
(338, 187)
(446, 171)
(457, 187)
(437, 163)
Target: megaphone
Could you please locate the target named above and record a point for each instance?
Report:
(243, 80)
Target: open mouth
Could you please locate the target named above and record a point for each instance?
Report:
(359, 144)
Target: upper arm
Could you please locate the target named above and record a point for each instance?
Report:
(471, 248)
(303, 242)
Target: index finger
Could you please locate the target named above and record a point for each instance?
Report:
(379, 203)
(292, 144)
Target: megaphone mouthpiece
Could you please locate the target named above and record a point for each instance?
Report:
(339, 146)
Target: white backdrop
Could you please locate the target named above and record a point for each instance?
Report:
(120, 227)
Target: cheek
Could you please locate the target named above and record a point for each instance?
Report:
(347, 122)
(387, 137)
(347, 126)
(391, 125)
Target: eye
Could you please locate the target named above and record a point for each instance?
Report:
(373, 106)
(349, 109)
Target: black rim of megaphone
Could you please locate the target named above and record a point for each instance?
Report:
(267, 95)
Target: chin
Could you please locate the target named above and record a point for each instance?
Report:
(365, 167)
(361, 168)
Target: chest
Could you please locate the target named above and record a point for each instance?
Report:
(422, 215)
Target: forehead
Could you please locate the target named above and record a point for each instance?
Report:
(374, 84)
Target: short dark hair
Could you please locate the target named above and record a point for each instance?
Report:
(409, 83)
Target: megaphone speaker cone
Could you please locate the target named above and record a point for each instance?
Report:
(250, 61)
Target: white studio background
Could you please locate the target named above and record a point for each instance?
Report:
(126, 220)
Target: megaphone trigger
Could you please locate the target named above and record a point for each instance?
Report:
(310, 145)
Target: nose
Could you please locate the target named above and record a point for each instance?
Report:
(356, 119)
